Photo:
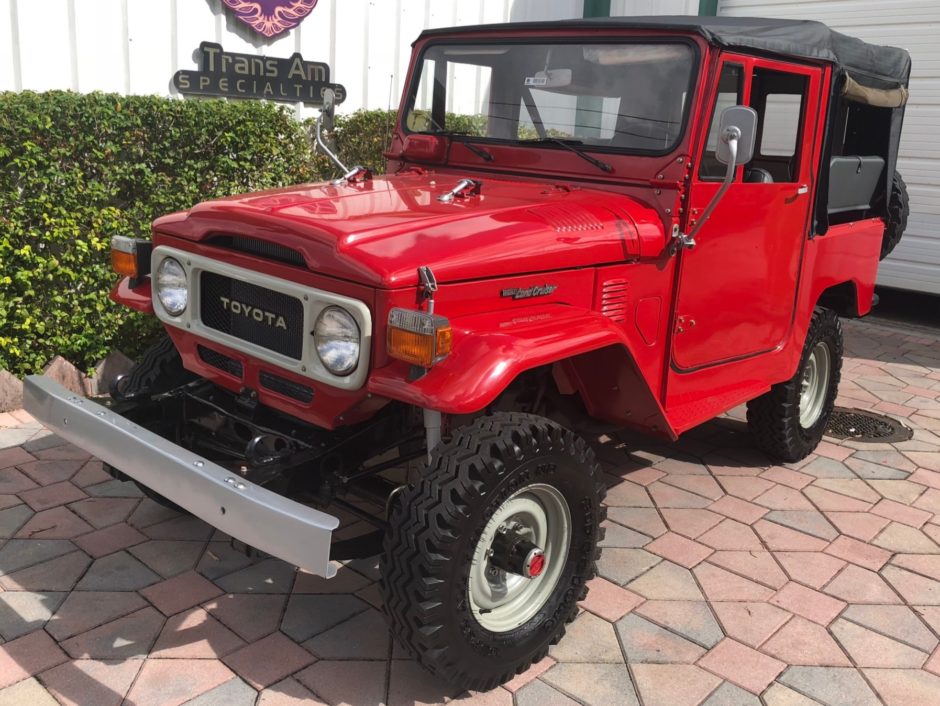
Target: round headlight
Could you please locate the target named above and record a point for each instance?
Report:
(336, 336)
(171, 286)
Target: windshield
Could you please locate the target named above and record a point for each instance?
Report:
(624, 96)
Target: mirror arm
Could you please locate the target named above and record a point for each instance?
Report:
(730, 136)
(323, 146)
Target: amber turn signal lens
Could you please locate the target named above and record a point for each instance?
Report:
(124, 263)
(418, 338)
(130, 256)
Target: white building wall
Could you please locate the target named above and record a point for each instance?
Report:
(915, 26)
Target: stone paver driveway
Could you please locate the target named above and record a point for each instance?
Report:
(725, 579)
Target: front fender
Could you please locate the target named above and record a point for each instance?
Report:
(490, 350)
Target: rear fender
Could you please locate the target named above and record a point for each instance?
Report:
(491, 350)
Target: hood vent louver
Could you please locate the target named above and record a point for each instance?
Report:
(568, 219)
(614, 299)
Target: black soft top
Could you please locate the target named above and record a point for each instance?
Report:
(869, 64)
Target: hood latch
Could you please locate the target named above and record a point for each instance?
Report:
(464, 188)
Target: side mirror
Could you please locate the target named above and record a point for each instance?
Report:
(328, 111)
(737, 130)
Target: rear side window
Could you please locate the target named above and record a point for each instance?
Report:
(730, 92)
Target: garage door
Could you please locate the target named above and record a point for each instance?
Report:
(913, 25)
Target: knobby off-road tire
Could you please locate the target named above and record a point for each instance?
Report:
(435, 530)
(899, 209)
(160, 369)
(788, 422)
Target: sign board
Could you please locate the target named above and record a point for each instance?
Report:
(231, 75)
(271, 17)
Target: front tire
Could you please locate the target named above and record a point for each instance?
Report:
(488, 554)
(789, 421)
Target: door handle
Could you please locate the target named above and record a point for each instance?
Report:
(804, 189)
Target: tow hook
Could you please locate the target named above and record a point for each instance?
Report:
(515, 554)
(464, 188)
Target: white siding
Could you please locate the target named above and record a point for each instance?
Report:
(915, 26)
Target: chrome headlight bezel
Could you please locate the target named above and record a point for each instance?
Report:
(170, 285)
(339, 350)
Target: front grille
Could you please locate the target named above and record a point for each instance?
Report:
(261, 248)
(270, 319)
(221, 361)
(286, 387)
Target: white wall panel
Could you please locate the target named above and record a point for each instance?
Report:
(100, 46)
(45, 44)
(915, 26)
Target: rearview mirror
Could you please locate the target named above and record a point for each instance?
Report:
(737, 121)
(550, 78)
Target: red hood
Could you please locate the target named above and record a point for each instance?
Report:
(379, 232)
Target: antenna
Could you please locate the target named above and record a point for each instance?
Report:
(388, 112)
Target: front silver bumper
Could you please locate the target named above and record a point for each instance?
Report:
(267, 521)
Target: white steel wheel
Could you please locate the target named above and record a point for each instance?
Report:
(519, 558)
(815, 385)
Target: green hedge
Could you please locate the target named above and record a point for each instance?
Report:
(77, 169)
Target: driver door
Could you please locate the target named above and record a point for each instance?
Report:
(737, 287)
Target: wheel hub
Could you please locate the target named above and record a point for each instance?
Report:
(814, 386)
(519, 558)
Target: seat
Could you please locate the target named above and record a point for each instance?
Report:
(758, 175)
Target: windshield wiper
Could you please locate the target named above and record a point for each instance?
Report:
(571, 146)
(464, 139)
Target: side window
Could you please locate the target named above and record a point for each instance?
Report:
(730, 92)
(779, 99)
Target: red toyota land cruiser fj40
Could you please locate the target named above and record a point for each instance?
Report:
(642, 222)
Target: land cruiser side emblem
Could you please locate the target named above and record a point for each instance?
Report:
(529, 292)
(253, 312)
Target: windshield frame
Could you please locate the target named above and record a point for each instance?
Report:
(456, 40)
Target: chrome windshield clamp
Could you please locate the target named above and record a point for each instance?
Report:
(354, 176)
(464, 188)
(428, 286)
(682, 241)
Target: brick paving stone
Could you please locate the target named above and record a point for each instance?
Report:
(731, 535)
(857, 585)
(645, 520)
(827, 468)
(234, 692)
(268, 576)
(538, 693)
(811, 604)
(904, 687)
(721, 585)
(57, 523)
(691, 619)
(895, 621)
(110, 539)
(409, 684)
(22, 612)
(861, 525)
(756, 565)
(679, 549)
(902, 491)
(750, 622)
(781, 497)
(149, 513)
(8, 501)
(738, 509)
(194, 634)
(83, 610)
(83, 682)
(644, 642)
(13, 481)
(91, 473)
(615, 536)
(833, 686)
(690, 522)
(250, 616)
(745, 487)
(129, 637)
(623, 565)
(667, 582)
(102, 512)
(533, 672)
(591, 639)
(363, 636)
(62, 452)
(915, 589)
(788, 477)
(921, 475)
(180, 592)
(874, 471)
(854, 488)
(929, 501)
(20, 553)
(29, 691)
(645, 476)
(904, 539)
(928, 460)
(703, 485)
(345, 581)
(181, 527)
(669, 496)
(899, 513)
(310, 614)
(268, 660)
(50, 472)
(928, 565)
(58, 574)
(857, 552)
(802, 642)
(114, 489)
(827, 449)
(780, 538)
(117, 572)
(608, 600)
(780, 695)
(870, 649)
(290, 692)
(14, 456)
(168, 557)
(593, 684)
(221, 559)
(352, 682)
(680, 467)
(742, 665)
(50, 496)
(627, 494)
(828, 501)
(28, 655)
(165, 682)
(673, 684)
(808, 521)
(12, 518)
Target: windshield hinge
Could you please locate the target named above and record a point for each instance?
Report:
(681, 241)
(464, 188)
